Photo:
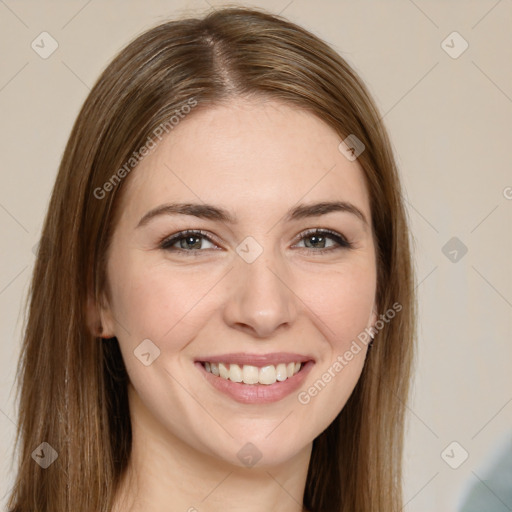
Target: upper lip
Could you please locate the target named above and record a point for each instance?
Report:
(244, 358)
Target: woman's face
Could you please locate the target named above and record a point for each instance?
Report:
(254, 291)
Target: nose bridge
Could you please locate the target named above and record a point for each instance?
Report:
(259, 296)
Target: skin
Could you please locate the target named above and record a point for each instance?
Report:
(257, 159)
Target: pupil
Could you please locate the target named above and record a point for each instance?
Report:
(318, 239)
(190, 239)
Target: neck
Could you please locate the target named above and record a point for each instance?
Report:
(164, 473)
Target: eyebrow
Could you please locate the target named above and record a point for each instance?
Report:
(211, 212)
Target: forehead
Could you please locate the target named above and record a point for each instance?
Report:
(246, 155)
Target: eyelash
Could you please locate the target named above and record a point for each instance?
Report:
(342, 242)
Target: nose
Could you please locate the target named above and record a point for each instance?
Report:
(260, 297)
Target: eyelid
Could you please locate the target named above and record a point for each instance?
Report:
(341, 240)
(183, 234)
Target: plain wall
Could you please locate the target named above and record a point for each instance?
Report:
(450, 123)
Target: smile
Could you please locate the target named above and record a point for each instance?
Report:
(256, 378)
(249, 374)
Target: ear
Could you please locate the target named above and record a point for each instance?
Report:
(373, 316)
(99, 318)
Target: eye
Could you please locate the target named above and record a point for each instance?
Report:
(318, 239)
(191, 241)
(188, 241)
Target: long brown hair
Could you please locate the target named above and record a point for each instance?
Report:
(73, 387)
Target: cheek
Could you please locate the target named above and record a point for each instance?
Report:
(343, 300)
(150, 301)
(343, 306)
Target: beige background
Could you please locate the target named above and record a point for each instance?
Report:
(450, 122)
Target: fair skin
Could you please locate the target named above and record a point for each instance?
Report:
(257, 160)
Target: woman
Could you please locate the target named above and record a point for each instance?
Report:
(222, 312)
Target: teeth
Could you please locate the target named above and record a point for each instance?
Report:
(223, 371)
(249, 374)
(235, 373)
(281, 373)
(267, 375)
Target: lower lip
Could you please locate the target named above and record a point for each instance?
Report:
(257, 393)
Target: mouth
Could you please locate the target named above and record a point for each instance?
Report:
(249, 374)
(256, 378)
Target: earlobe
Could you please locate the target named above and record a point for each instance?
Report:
(371, 326)
(99, 319)
(373, 317)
